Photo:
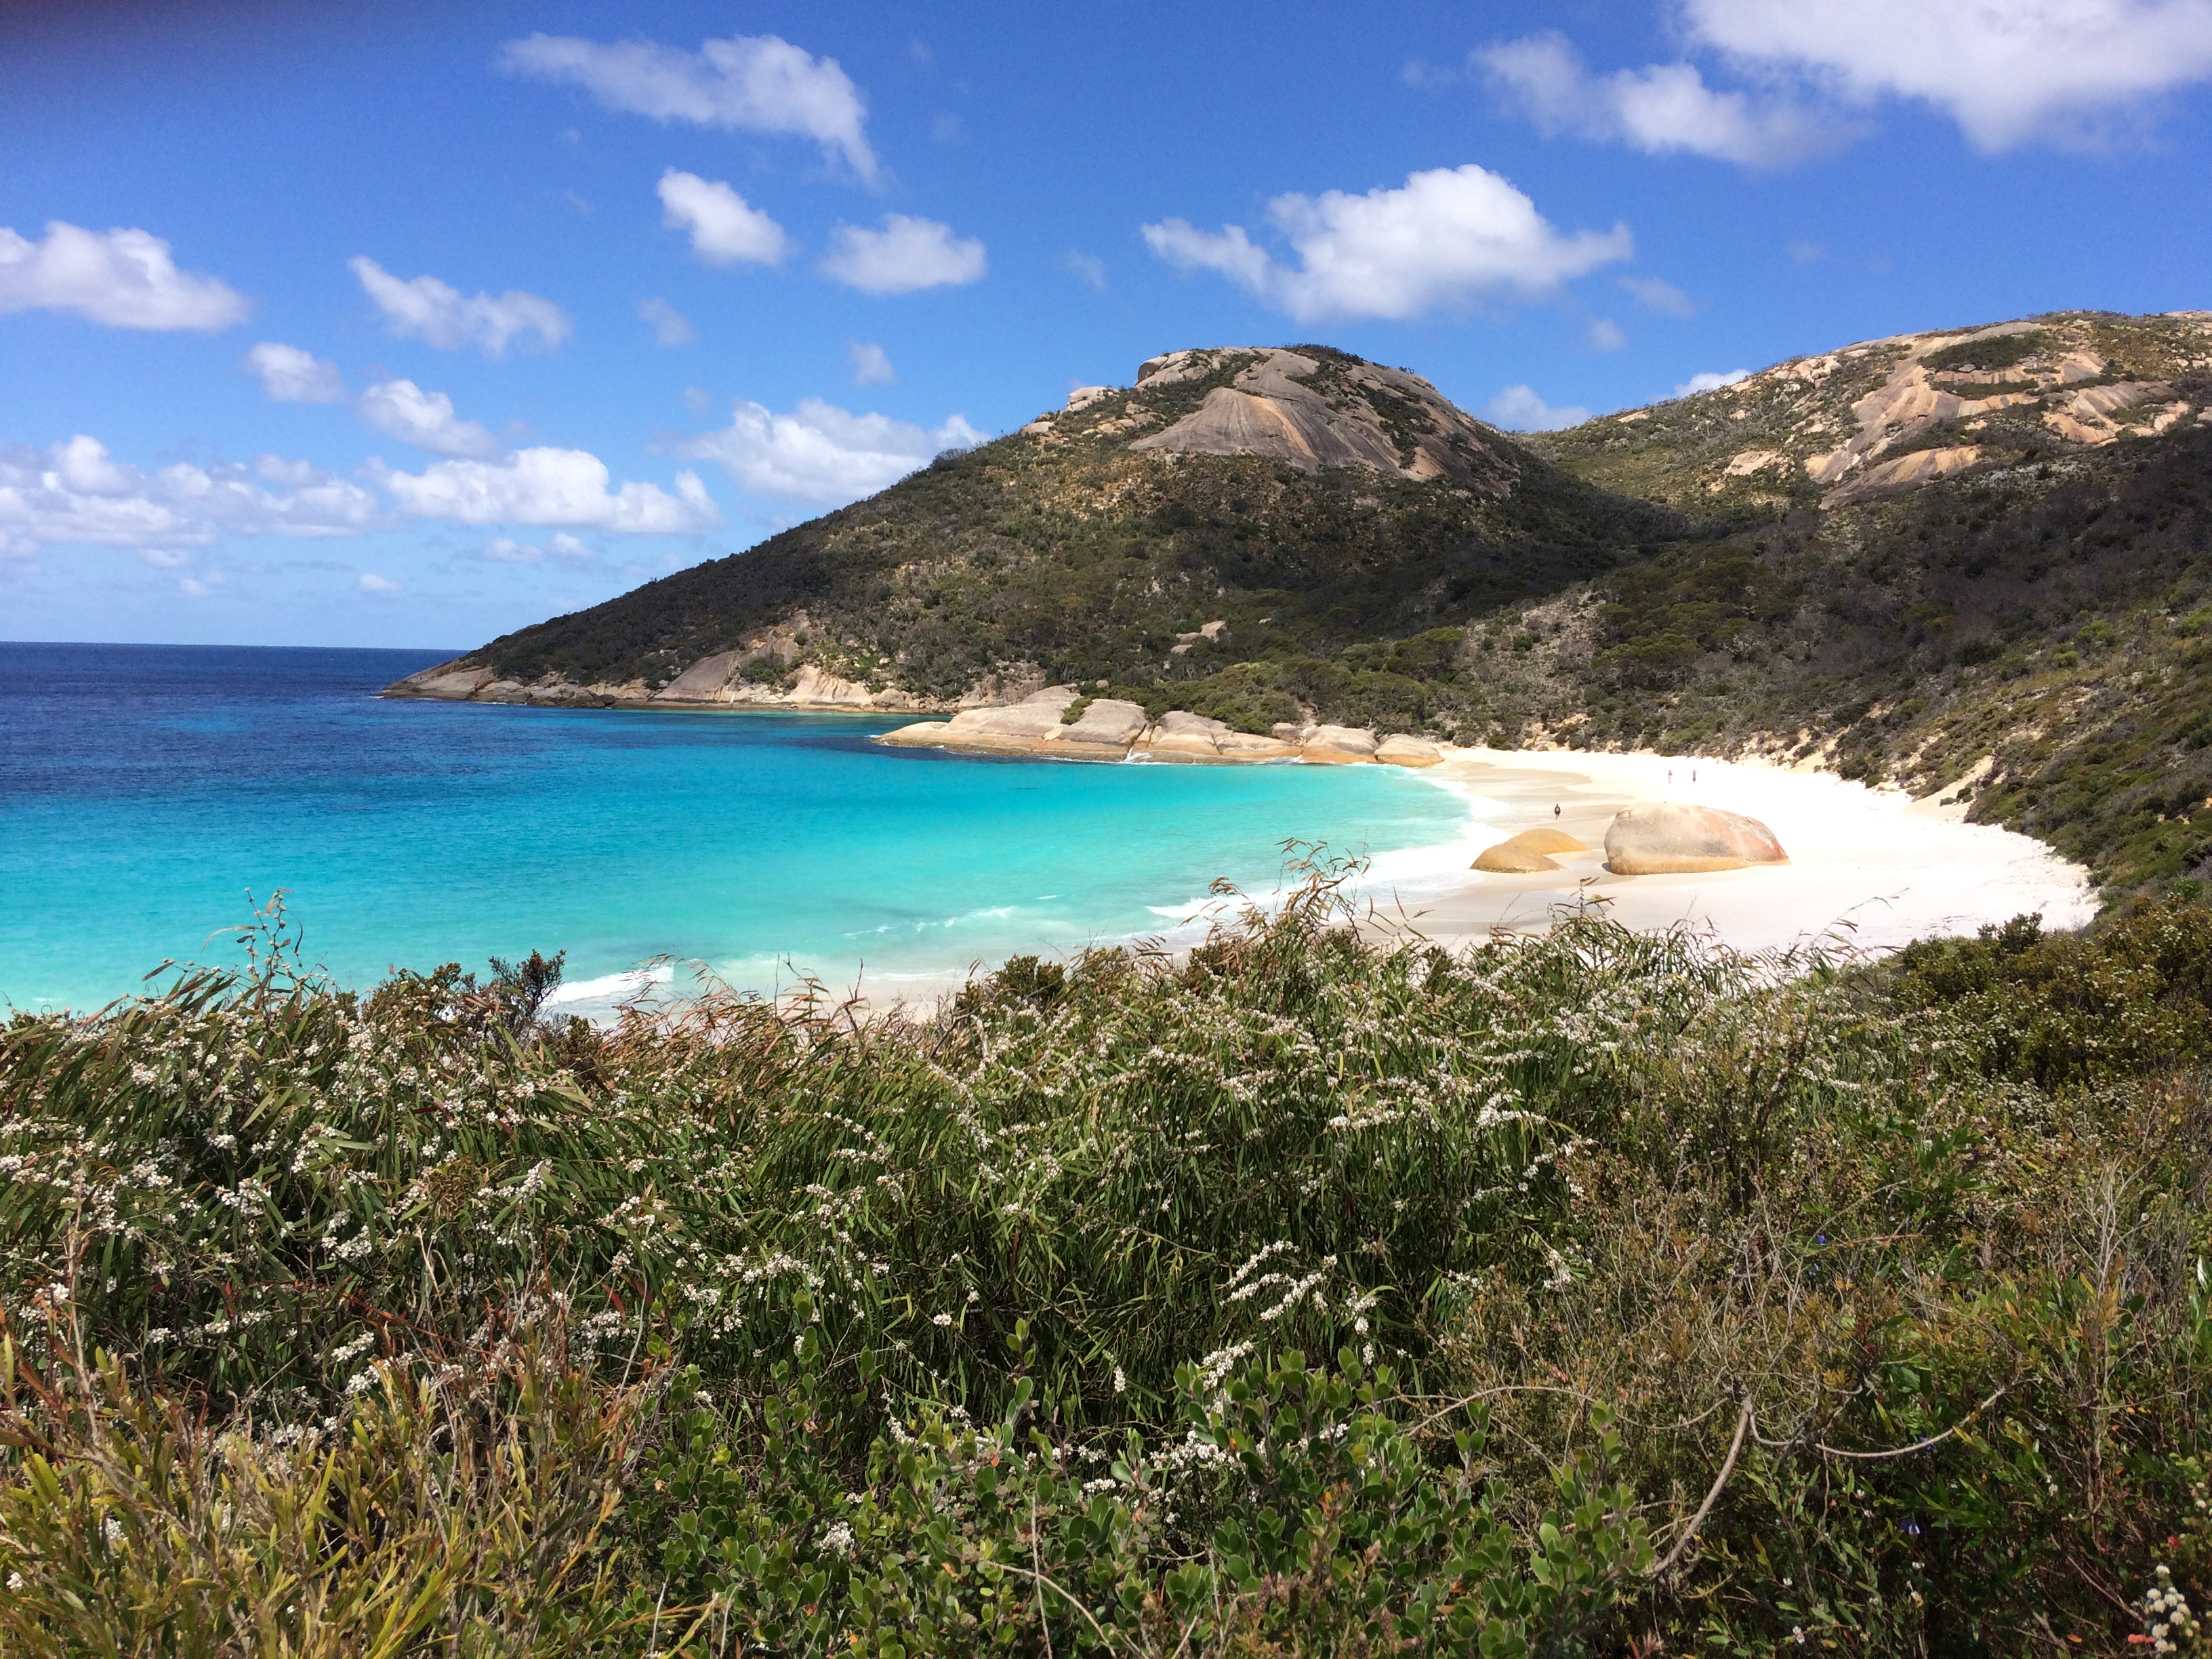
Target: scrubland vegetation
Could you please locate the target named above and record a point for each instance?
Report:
(1597, 1293)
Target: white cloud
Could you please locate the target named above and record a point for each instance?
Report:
(748, 84)
(1663, 297)
(1086, 268)
(546, 486)
(871, 364)
(1710, 381)
(77, 494)
(1445, 240)
(426, 420)
(1518, 409)
(670, 327)
(821, 453)
(290, 375)
(505, 549)
(2006, 71)
(429, 310)
(120, 278)
(1605, 335)
(726, 229)
(906, 255)
(1661, 109)
(372, 583)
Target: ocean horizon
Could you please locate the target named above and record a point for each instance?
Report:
(152, 797)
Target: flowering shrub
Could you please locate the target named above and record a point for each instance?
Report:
(1747, 1302)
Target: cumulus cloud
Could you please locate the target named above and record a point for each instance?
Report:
(726, 229)
(1518, 409)
(77, 494)
(120, 278)
(1709, 381)
(906, 255)
(290, 375)
(426, 420)
(1445, 240)
(871, 364)
(2006, 72)
(1663, 109)
(1605, 335)
(1663, 297)
(748, 84)
(438, 315)
(547, 486)
(821, 453)
(670, 327)
(372, 583)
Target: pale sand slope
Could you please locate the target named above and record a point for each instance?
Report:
(1871, 866)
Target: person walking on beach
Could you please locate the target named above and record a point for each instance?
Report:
(1555, 811)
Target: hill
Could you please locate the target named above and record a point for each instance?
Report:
(1969, 560)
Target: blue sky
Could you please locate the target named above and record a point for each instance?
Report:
(412, 323)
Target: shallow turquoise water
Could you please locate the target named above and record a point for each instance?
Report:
(143, 791)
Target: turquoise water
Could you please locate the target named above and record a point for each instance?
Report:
(144, 790)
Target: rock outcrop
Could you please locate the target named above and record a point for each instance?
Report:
(1399, 749)
(1337, 745)
(1670, 837)
(1294, 408)
(1547, 839)
(1507, 860)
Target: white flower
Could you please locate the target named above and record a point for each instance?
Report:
(1121, 1381)
(113, 1529)
(942, 1319)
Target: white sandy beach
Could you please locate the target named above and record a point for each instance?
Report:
(1870, 869)
(1869, 866)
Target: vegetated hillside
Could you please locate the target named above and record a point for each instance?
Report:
(1972, 561)
(1359, 509)
(1590, 1294)
(2033, 621)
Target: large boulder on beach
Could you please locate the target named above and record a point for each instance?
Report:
(1400, 750)
(1507, 860)
(1547, 839)
(1250, 746)
(1670, 837)
(1184, 736)
(1339, 746)
(1103, 731)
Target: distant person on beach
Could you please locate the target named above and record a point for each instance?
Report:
(1555, 811)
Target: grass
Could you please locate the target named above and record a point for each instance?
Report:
(1580, 1294)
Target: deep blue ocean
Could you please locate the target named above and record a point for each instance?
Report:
(147, 790)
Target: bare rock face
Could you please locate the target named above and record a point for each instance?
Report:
(1507, 860)
(1181, 736)
(1295, 408)
(1667, 837)
(1103, 731)
(448, 682)
(702, 682)
(1547, 839)
(1399, 749)
(1340, 745)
